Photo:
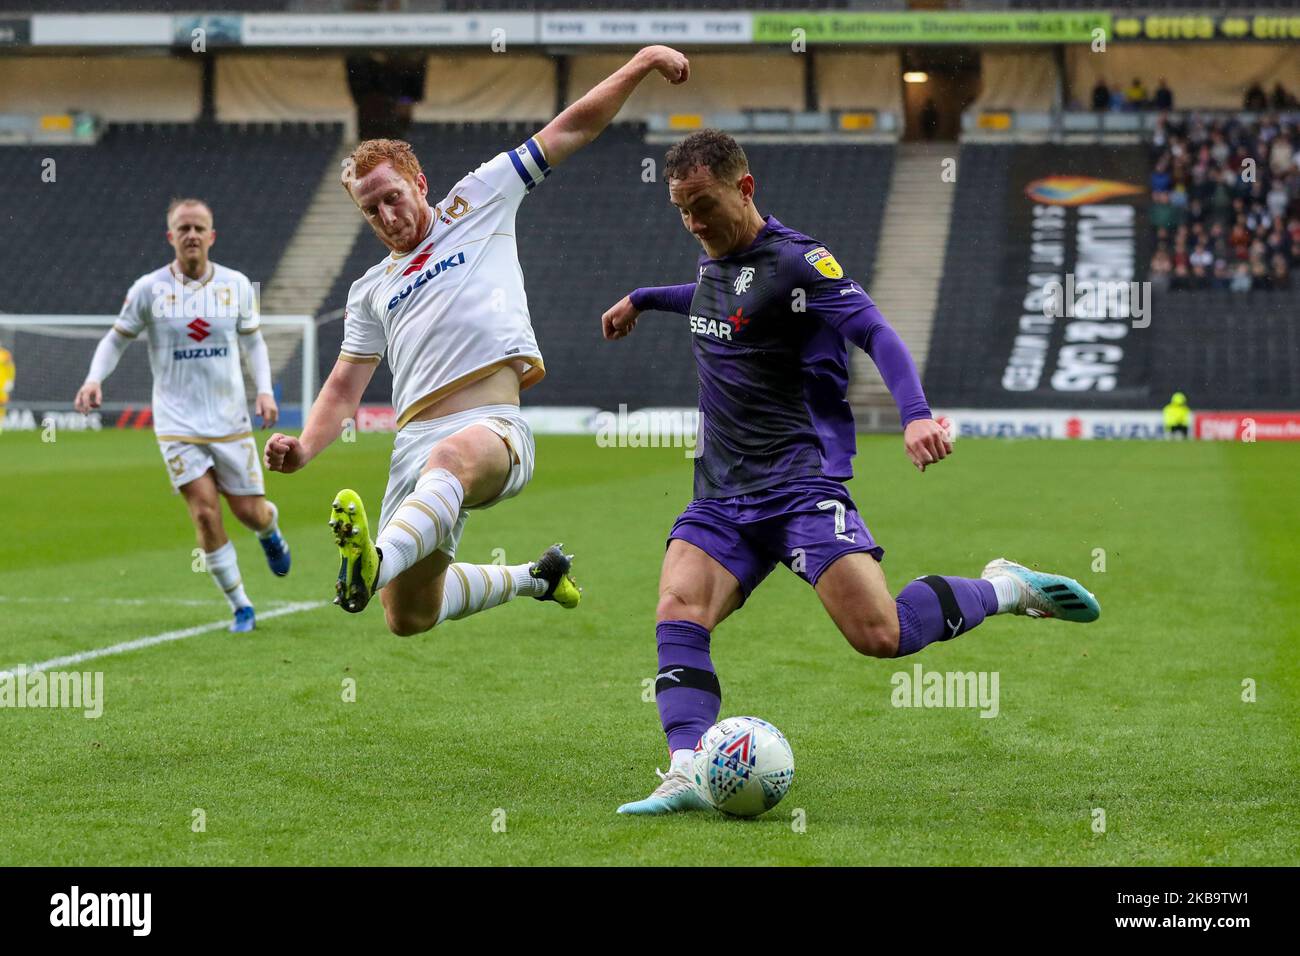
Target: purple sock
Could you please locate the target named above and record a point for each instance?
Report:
(935, 608)
(686, 688)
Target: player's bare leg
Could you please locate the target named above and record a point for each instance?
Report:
(204, 504)
(935, 608)
(855, 595)
(465, 469)
(261, 517)
(413, 598)
(696, 594)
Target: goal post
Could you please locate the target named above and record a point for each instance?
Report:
(52, 353)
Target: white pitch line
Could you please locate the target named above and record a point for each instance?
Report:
(155, 639)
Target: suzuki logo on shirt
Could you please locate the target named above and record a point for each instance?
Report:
(418, 262)
(199, 330)
(744, 280)
(211, 351)
(428, 275)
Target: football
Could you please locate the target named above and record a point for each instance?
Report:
(743, 766)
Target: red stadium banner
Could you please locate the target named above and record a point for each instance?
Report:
(1248, 426)
(376, 418)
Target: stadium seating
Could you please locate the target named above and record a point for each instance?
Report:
(595, 231)
(104, 211)
(1226, 350)
(972, 276)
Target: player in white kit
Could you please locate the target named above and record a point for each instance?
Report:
(196, 314)
(449, 309)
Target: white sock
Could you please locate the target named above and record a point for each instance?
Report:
(684, 760)
(421, 522)
(273, 527)
(470, 588)
(1007, 589)
(223, 565)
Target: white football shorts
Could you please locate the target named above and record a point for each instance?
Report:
(414, 442)
(236, 464)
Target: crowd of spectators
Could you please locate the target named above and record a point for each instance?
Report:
(1257, 101)
(1135, 96)
(1225, 203)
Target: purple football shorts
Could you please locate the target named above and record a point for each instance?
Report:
(804, 523)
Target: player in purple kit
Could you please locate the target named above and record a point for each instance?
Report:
(771, 315)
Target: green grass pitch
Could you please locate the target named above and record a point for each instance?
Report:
(533, 719)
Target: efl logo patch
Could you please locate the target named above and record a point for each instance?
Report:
(822, 260)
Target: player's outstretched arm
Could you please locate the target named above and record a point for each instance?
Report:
(924, 439)
(337, 402)
(620, 319)
(259, 363)
(842, 304)
(584, 120)
(107, 354)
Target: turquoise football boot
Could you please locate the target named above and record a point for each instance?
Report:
(1046, 595)
(675, 794)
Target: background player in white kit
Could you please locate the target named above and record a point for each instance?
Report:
(195, 314)
(448, 306)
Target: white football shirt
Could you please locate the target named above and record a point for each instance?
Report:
(453, 309)
(193, 328)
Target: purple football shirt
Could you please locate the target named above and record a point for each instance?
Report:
(770, 328)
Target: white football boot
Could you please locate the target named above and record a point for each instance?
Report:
(1046, 595)
(676, 793)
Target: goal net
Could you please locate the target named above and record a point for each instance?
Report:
(52, 353)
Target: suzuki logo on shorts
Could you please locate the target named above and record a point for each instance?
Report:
(457, 260)
(744, 280)
(199, 330)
